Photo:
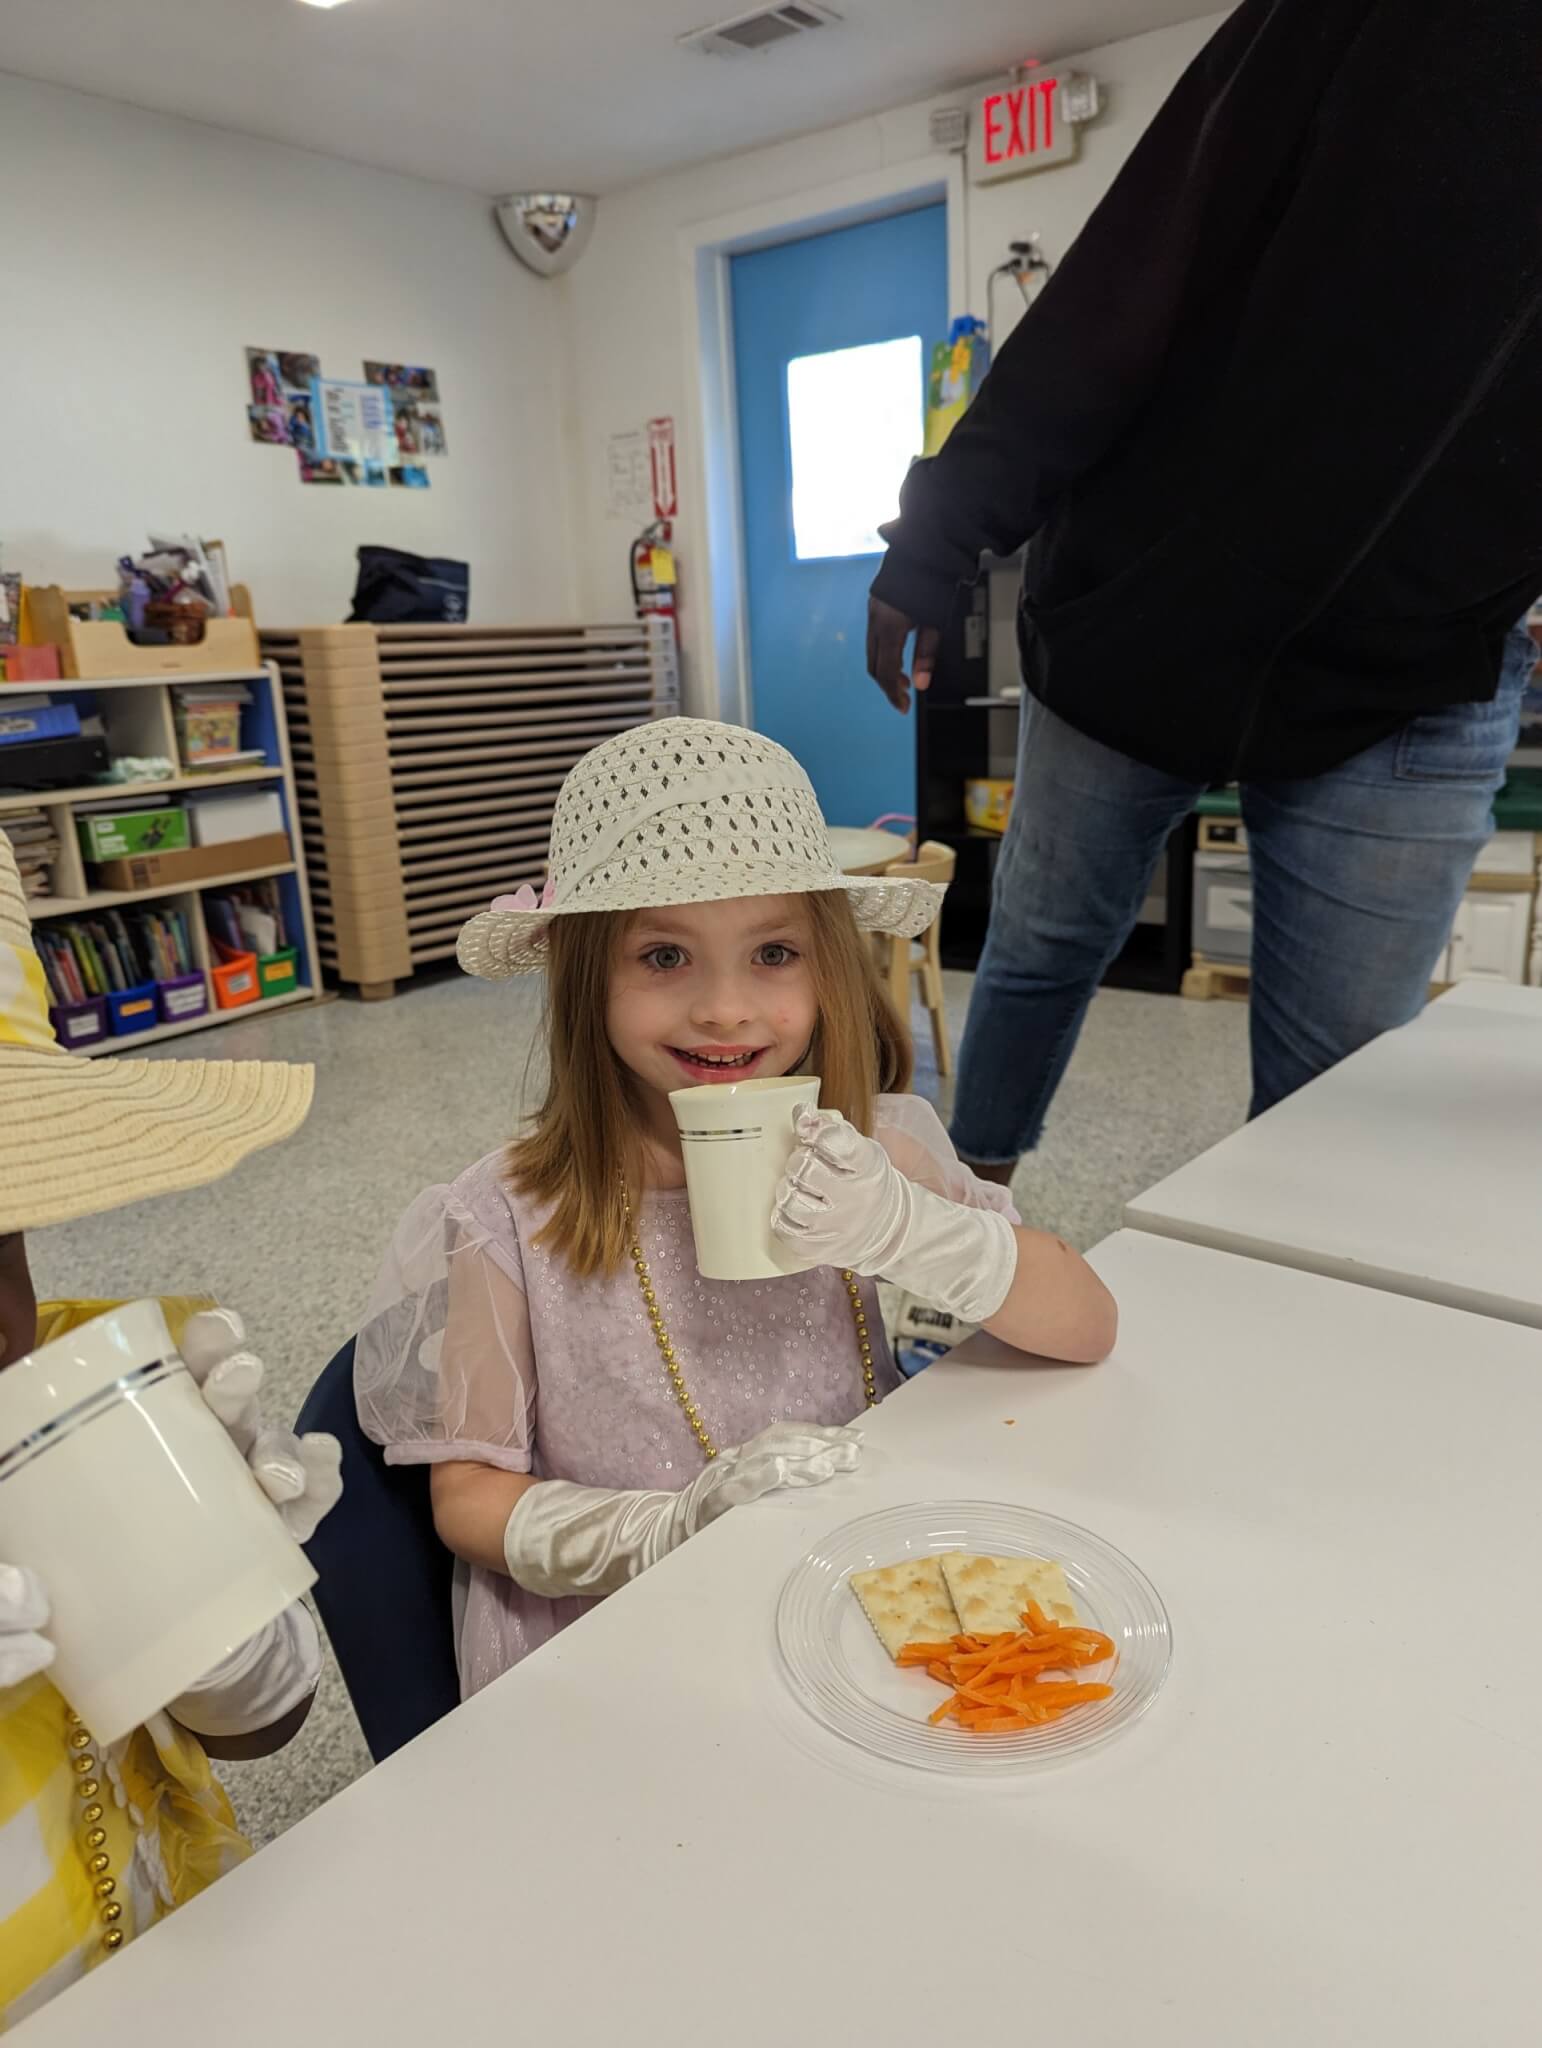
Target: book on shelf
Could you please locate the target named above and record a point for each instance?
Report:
(36, 846)
(116, 950)
(249, 919)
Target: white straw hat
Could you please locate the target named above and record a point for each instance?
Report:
(684, 811)
(78, 1136)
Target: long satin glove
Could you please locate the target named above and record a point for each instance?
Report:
(564, 1539)
(266, 1678)
(843, 1202)
(301, 1475)
(24, 1649)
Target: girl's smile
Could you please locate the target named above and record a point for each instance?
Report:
(708, 992)
(719, 1062)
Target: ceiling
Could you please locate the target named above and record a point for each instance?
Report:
(499, 95)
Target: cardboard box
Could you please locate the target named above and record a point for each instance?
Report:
(196, 864)
(113, 835)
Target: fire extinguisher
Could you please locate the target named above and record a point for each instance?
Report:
(655, 576)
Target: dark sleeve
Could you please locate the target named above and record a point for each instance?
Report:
(1401, 283)
(1083, 361)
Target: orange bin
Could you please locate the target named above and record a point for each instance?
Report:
(235, 978)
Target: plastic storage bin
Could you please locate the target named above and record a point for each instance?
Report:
(77, 1024)
(235, 978)
(132, 1009)
(278, 973)
(184, 997)
(1223, 906)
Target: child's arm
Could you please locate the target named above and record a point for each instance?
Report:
(472, 1506)
(844, 1202)
(1056, 1305)
(258, 1698)
(555, 1538)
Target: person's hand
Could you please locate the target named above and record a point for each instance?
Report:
(843, 1202)
(887, 632)
(24, 1649)
(788, 1454)
(301, 1475)
(563, 1539)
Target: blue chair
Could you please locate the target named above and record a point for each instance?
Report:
(384, 1578)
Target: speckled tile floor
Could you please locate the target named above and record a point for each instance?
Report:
(411, 1090)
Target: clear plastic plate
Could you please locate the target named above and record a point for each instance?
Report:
(844, 1676)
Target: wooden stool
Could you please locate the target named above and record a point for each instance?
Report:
(922, 958)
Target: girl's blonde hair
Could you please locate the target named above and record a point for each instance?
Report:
(586, 1135)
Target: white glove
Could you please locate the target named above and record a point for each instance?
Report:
(564, 1539)
(257, 1684)
(24, 1649)
(843, 1202)
(301, 1475)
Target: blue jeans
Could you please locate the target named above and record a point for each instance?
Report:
(1357, 875)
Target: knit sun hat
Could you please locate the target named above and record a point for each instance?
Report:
(683, 811)
(78, 1136)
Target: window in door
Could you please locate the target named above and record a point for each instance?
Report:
(855, 423)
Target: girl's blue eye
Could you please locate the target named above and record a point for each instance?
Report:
(777, 954)
(663, 958)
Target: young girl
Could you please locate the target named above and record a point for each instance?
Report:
(541, 1336)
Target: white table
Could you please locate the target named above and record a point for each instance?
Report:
(1314, 1836)
(1415, 1166)
(860, 850)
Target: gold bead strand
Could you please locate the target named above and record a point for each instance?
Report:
(864, 1342)
(94, 1841)
(682, 1392)
(672, 1367)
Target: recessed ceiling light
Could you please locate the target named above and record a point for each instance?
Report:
(322, 3)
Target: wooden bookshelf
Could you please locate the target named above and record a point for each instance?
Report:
(138, 717)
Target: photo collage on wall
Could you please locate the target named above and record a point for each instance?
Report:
(377, 431)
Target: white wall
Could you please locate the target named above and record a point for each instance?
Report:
(628, 357)
(143, 254)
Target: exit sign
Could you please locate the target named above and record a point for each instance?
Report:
(1021, 127)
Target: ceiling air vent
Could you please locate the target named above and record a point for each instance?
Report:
(760, 28)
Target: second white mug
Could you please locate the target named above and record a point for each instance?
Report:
(737, 1137)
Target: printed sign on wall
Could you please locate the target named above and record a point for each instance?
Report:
(375, 432)
(661, 448)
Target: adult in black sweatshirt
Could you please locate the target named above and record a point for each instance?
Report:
(1274, 433)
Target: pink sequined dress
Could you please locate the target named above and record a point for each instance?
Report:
(481, 1346)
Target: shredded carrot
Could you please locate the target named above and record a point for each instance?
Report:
(1001, 1684)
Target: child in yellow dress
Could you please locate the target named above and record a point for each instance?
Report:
(97, 1843)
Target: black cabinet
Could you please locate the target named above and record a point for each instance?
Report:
(966, 729)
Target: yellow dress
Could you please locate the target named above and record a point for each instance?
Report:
(150, 1805)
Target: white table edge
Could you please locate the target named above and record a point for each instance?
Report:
(1500, 1308)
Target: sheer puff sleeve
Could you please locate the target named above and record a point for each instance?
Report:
(444, 1368)
(911, 1132)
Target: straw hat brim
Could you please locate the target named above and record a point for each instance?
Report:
(497, 944)
(83, 1136)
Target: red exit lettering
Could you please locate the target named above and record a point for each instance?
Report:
(1019, 123)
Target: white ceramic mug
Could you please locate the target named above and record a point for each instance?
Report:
(119, 1487)
(737, 1137)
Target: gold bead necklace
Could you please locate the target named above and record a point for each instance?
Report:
(672, 1367)
(94, 1841)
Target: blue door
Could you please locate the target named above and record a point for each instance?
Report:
(831, 338)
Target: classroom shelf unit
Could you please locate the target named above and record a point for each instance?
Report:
(138, 717)
(428, 760)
